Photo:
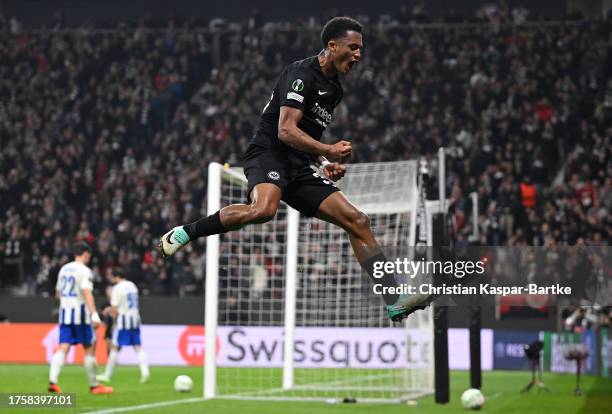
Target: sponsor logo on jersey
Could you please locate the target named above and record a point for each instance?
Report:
(323, 117)
(274, 175)
(298, 85)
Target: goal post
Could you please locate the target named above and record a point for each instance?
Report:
(293, 225)
(212, 285)
(287, 310)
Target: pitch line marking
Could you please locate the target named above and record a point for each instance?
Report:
(497, 394)
(147, 406)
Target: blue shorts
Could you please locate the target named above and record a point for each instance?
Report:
(125, 337)
(76, 334)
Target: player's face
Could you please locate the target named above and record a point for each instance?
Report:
(347, 51)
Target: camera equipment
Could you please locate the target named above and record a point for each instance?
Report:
(532, 352)
(577, 353)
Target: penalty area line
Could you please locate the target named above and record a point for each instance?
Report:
(147, 406)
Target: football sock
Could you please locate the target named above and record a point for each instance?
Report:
(387, 280)
(205, 226)
(90, 368)
(110, 365)
(57, 361)
(144, 366)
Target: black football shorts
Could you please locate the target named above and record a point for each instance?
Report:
(303, 188)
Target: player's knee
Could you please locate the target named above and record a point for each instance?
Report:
(360, 220)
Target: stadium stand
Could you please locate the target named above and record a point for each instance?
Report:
(107, 133)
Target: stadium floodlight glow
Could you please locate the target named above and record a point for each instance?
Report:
(292, 307)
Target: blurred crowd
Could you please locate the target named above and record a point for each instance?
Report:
(583, 269)
(105, 136)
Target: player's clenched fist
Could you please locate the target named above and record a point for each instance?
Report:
(334, 171)
(339, 150)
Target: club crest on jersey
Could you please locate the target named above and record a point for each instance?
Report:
(298, 85)
(273, 175)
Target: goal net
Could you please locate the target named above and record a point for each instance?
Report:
(289, 312)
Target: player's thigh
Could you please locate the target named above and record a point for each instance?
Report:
(88, 339)
(265, 200)
(64, 347)
(89, 349)
(338, 209)
(266, 195)
(264, 166)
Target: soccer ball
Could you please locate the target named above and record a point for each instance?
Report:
(183, 383)
(472, 399)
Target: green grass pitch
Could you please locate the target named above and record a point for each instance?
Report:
(501, 389)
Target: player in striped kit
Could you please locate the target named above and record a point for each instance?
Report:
(77, 318)
(126, 332)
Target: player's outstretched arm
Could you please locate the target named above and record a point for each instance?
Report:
(292, 135)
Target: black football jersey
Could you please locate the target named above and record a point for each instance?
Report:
(301, 85)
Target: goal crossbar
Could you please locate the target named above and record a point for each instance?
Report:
(385, 191)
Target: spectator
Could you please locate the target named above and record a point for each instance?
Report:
(106, 136)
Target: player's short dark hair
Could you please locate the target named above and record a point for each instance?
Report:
(337, 28)
(80, 247)
(119, 272)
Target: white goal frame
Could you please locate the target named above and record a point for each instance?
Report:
(211, 297)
